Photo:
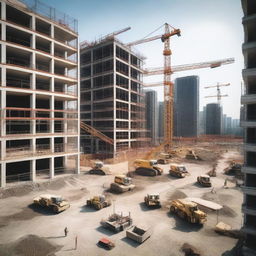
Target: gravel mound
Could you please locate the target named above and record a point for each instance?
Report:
(28, 246)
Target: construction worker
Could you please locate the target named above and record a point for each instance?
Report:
(225, 182)
(66, 231)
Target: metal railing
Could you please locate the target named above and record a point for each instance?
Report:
(51, 13)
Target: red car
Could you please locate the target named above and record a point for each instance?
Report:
(106, 243)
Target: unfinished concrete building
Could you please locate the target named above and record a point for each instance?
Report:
(39, 92)
(249, 124)
(112, 99)
(152, 115)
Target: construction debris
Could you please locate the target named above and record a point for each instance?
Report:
(189, 250)
(226, 230)
(117, 222)
(139, 233)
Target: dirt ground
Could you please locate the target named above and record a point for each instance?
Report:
(29, 230)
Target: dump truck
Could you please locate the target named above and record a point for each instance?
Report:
(139, 233)
(98, 202)
(56, 203)
(117, 222)
(188, 210)
(204, 180)
(152, 200)
(147, 167)
(178, 170)
(121, 184)
(99, 169)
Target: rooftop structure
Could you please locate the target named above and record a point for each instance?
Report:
(39, 92)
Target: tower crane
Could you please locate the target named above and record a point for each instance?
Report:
(219, 96)
(167, 70)
(168, 85)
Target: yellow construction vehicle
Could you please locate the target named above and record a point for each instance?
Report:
(147, 167)
(204, 180)
(53, 202)
(178, 170)
(188, 210)
(122, 184)
(152, 200)
(98, 202)
(99, 169)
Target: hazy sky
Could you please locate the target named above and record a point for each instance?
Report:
(210, 30)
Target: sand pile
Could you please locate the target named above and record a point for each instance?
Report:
(29, 245)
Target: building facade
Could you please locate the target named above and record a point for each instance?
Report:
(249, 124)
(39, 92)
(112, 99)
(213, 124)
(152, 115)
(186, 106)
(160, 122)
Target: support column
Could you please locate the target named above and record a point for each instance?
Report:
(33, 114)
(129, 103)
(3, 175)
(33, 170)
(3, 149)
(3, 10)
(114, 97)
(52, 167)
(78, 164)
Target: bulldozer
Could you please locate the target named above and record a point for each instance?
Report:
(188, 210)
(98, 202)
(178, 170)
(122, 184)
(56, 203)
(99, 169)
(147, 167)
(164, 158)
(204, 180)
(152, 200)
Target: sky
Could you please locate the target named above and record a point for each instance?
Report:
(210, 30)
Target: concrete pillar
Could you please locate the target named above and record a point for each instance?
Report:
(3, 10)
(114, 97)
(3, 175)
(33, 22)
(78, 164)
(52, 84)
(51, 167)
(3, 113)
(33, 114)
(33, 170)
(52, 114)
(3, 149)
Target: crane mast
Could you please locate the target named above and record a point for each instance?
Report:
(168, 92)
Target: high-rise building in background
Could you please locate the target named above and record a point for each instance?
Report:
(39, 92)
(249, 124)
(213, 124)
(112, 99)
(186, 106)
(160, 121)
(152, 115)
(202, 120)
